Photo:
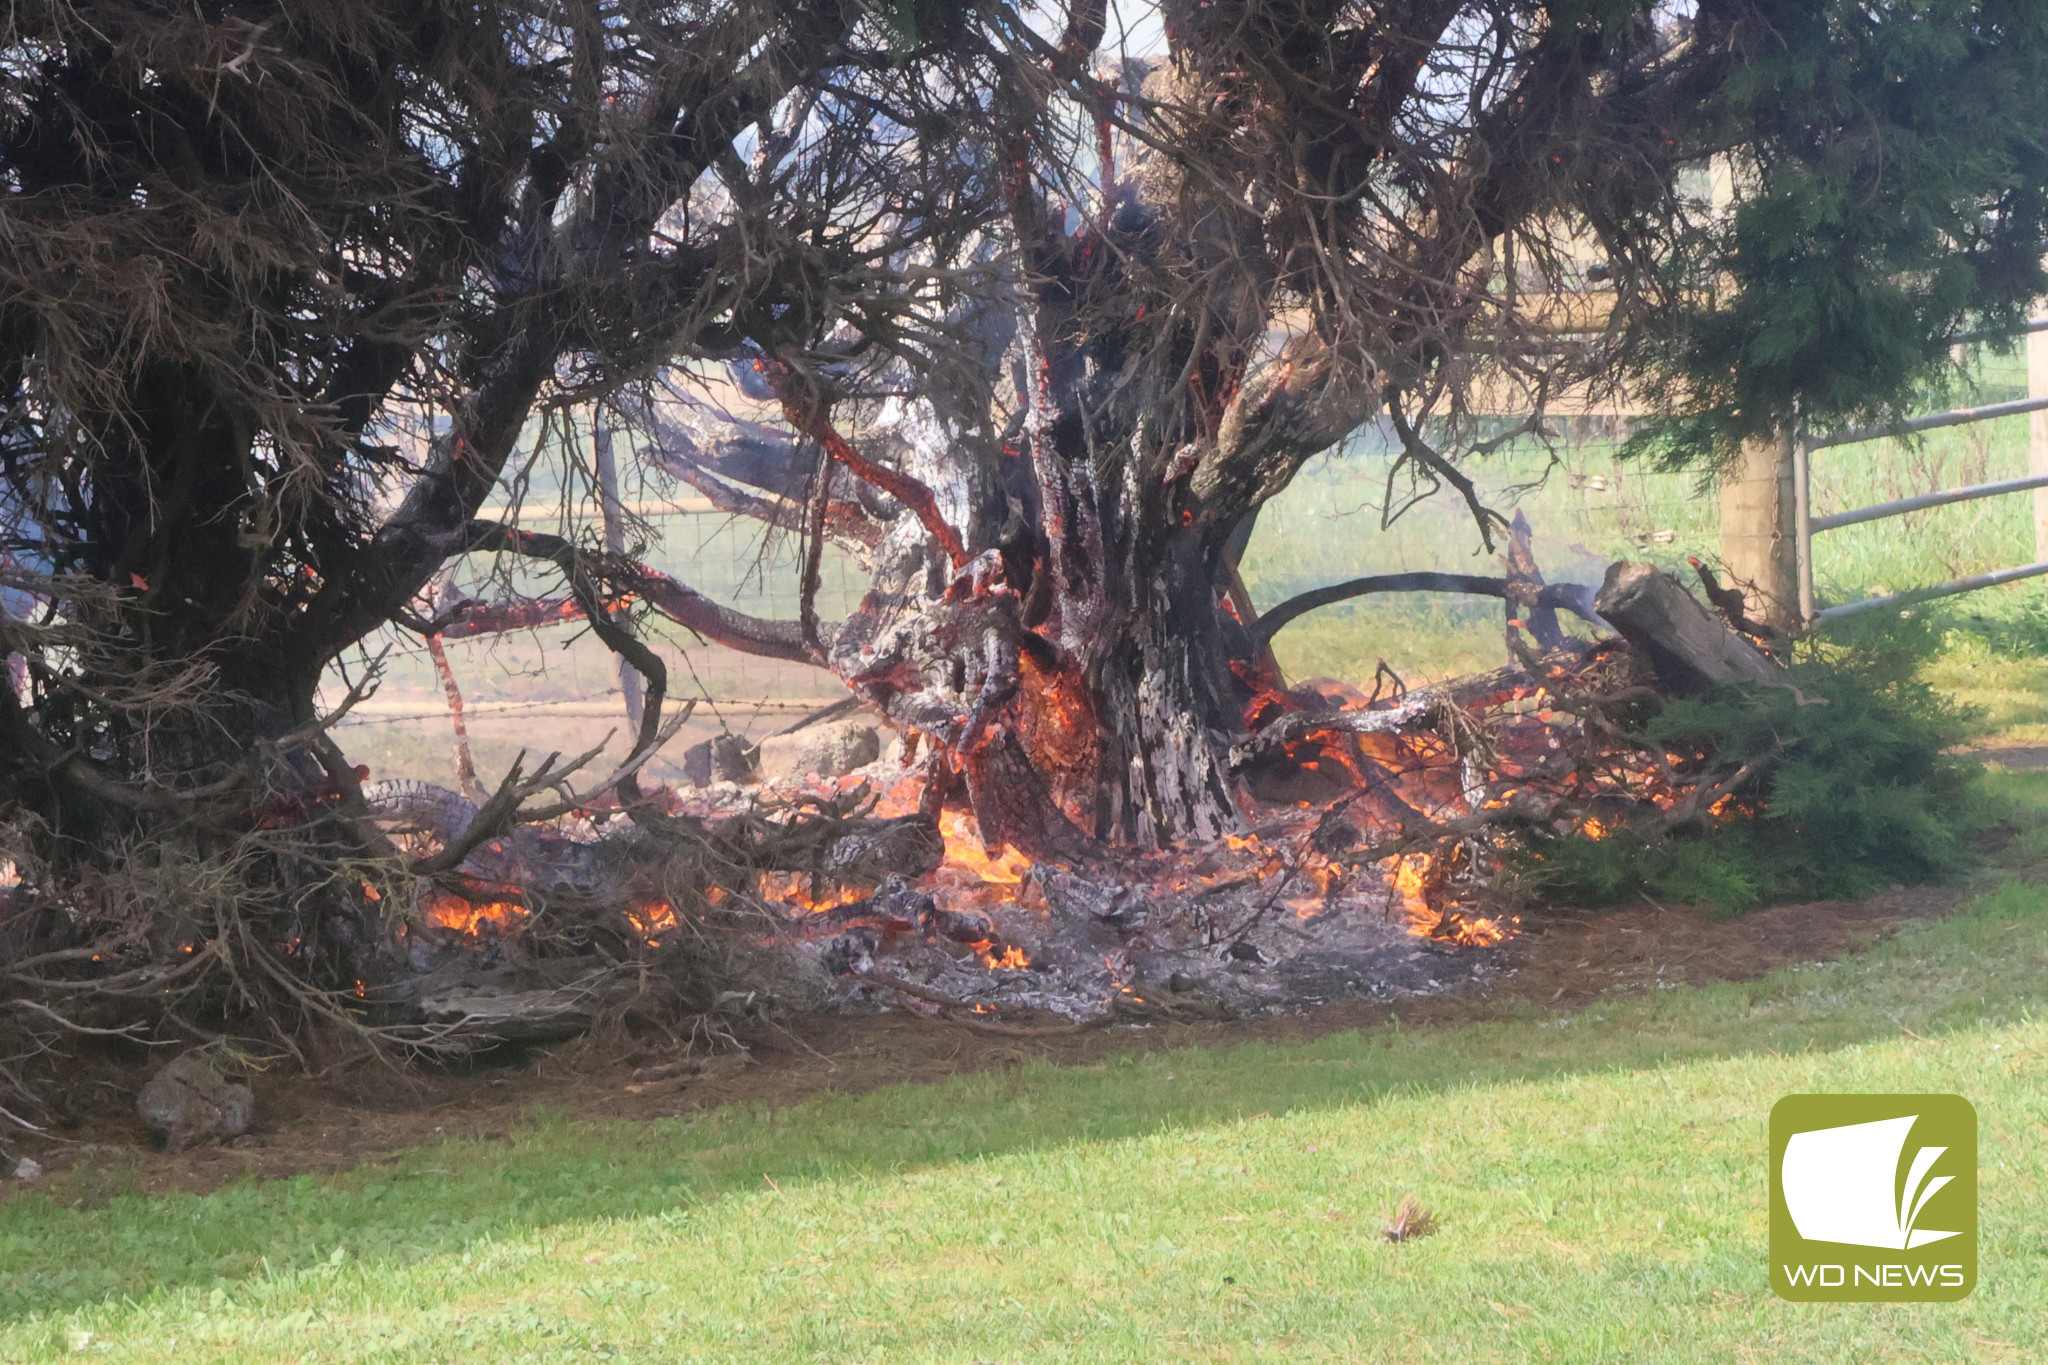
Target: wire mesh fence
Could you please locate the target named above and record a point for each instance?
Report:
(555, 688)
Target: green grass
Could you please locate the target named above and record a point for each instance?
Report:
(1597, 1178)
(2008, 692)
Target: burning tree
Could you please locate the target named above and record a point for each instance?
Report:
(293, 291)
(1299, 218)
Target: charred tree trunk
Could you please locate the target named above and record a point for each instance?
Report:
(1171, 704)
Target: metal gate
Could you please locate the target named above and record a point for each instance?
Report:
(1809, 525)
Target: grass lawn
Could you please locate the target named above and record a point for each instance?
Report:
(2009, 694)
(1598, 1179)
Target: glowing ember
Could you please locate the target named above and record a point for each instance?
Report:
(1727, 810)
(450, 910)
(801, 891)
(651, 917)
(1592, 828)
(964, 850)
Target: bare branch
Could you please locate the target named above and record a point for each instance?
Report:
(1576, 598)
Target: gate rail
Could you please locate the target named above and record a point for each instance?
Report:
(1808, 525)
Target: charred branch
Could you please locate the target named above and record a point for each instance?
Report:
(678, 601)
(1525, 589)
(810, 417)
(1576, 598)
(578, 569)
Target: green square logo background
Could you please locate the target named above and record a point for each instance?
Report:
(1943, 1121)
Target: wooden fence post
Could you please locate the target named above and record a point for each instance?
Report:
(613, 512)
(1759, 529)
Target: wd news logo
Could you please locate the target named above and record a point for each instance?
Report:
(1873, 1198)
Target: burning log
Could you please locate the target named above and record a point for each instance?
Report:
(907, 846)
(1416, 709)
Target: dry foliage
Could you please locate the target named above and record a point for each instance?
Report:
(1410, 1221)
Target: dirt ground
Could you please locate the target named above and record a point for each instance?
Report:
(1562, 963)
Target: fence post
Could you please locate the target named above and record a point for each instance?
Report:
(1759, 528)
(614, 514)
(2037, 436)
(1802, 515)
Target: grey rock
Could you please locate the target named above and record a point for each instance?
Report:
(190, 1102)
(830, 750)
(725, 757)
(27, 1169)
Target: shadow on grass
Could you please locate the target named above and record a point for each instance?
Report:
(1975, 968)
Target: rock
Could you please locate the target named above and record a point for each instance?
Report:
(191, 1102)
(27, 1169)
(725, 757)
(830, 750)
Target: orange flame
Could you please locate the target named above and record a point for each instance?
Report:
(1410, 878)
(1411, 881)
(1480, 932)
(964, 850)
(1010, 959)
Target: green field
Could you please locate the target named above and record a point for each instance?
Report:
(1597, 1178)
